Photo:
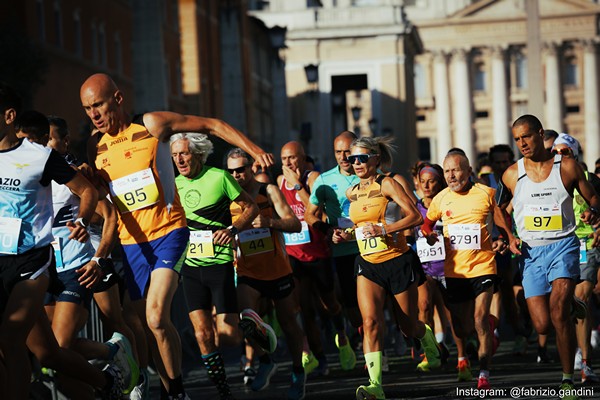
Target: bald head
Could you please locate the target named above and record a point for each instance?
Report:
(293, 156)
(341, 149)
(100, 84)
(102, 100)
(294, 147)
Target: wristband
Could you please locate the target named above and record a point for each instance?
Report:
(593, 210)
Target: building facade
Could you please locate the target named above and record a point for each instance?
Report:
(481, 70)
(348, 66)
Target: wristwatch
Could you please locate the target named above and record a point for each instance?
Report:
(233, 230)
(102, 262)
(83, 222)
(298, 187)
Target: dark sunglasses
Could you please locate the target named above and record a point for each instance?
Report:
(239, 170)
(362, 158)
(565, 151)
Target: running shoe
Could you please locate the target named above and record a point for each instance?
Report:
(371, 392)
(254, 328)
(297, 388)
(568, 389)
(115, 391)
(309, 362)
(464, 371)
(263, 376)
(432, 352)
(124, 360)
(423, 366)
(347, 356)
(483, 383)
(141, 391)
(249, 375)
(543, 357)
(588, 375)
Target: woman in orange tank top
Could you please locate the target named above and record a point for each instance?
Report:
(386, 264)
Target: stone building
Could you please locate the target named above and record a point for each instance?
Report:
(348, 65)
(477, 74)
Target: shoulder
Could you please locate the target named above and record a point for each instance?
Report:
(510, 176)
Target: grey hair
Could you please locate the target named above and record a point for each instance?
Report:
(236, 152)
(198, 143)
(382, 145)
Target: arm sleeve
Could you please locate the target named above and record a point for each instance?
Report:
(57, 170)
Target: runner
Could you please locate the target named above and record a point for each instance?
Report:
(134, 162)
(263, 268)
(541, 186)
(311, 262)
(387, 265)
(208, 272)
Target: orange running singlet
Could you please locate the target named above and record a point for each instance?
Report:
(134, 165)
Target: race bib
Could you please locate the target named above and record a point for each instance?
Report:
(464, 236)
(201, 245)
(57, 246)
(255, 241)
(135, 191)
(543, 217)
(582, 251)
(428, 253)
(369, 245)
(298, 238)
(9, 235)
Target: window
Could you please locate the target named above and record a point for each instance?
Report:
(313, 3)
(521, 71)
(479, 77)
(77, 33)
(58, 34)
(39, 11)
(571, 71)
(420, 88)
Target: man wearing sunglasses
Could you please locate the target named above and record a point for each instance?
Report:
(263, 267)
(310, 257)
(542, 186)
(589, 258)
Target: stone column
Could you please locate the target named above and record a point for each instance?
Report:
(554, 114)
(442, 104)
(463, 115)
(500, 97)
(590, 106)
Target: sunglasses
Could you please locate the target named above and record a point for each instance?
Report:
(362, 158)
(239, 170)
(565, 151)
